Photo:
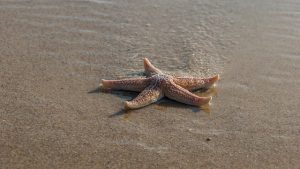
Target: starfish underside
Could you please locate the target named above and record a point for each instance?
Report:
(157, 84)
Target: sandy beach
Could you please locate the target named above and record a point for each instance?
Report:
(54, 53)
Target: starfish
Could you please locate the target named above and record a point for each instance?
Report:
(157, 84)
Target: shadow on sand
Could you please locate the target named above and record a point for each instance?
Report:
(162, 104)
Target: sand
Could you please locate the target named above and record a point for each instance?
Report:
(53, 55)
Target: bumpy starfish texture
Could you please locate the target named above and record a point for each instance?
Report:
(158, 84)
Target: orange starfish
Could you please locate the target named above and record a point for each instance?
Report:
(158, 84)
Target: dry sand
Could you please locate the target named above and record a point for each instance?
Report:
(53, 54)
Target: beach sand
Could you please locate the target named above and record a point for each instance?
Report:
(53, 55)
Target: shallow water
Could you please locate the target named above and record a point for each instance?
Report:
(54, 53)
(179, 37)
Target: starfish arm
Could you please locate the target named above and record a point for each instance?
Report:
(149, 68)
(133, 84)
(178, 93)
(150, 95)
(194, 83)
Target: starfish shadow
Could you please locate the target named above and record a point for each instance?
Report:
(165, 103)
(97, 90)
(162, 104)
(122, 112)
(125, 95)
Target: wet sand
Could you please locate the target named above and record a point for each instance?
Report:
(53, 55)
